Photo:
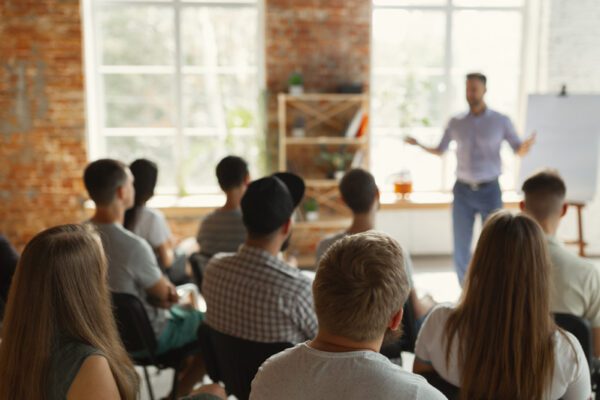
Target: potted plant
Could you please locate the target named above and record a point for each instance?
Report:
(296, 84)
(336, 162)
(311, 209)
(298, 127)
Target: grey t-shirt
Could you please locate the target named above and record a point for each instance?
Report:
(302, 372)
(222, 231)
(132, 268)
(331, 239)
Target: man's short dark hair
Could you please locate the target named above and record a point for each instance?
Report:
(231, 172)
(102, 178)
(545, 193)
(478, 76)
(358, 190)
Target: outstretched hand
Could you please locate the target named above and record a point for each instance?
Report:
(527, 144)
(411, 140)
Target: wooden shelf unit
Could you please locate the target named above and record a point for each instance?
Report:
(324, 113)
(326, 119)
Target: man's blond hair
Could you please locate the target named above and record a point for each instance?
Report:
(360, 284)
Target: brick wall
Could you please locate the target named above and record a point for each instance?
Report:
(327, 41)
(42, 125)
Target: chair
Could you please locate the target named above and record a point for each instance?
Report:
(198, 262)
(449, 390)
(138, 336)
(582, 330)
(409, 334)
(234, 361)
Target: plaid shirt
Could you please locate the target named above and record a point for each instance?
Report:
(255, 296)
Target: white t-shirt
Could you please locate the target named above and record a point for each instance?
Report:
(152, 226)
(570, 381)
(302, 372)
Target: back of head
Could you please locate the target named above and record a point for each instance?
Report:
(358, 190)
(102, 178)
(545, 194)
(360, 284)
(269, 203)
(145, 175)
(503, 320)
(64, 268)
(231, 172)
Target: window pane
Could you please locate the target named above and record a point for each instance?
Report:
(405, 40)
(227, 98)
(219, 36)
(155, 148)
(425, 169)
(407, 100)
(139, 100)
(486, 41)
(488, 3)
(136, 35)
(204, 152)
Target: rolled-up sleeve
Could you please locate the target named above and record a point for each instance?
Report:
(510, 134)
(446, 139)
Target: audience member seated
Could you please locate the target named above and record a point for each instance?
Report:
(132, 265)
(223, 230)
(8, 264)
(359, 291)
(60, 339)
(576, 281)
(360, 193)
(253, 294)
(500, 341)
(150, 224)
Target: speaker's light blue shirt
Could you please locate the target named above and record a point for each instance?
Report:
(479, 139)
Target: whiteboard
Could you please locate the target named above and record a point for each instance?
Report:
(568, 131)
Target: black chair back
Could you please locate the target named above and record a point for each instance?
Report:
(449, 390)
(581, 329)
(133, 324)
(234, 361)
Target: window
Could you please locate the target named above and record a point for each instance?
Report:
(177, 82)
(421, 52)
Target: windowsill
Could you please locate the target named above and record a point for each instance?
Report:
(202, 204)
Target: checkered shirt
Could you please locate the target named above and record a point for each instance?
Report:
(255, 296)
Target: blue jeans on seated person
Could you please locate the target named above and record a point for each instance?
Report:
(468, 202)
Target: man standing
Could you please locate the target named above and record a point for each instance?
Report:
(479, 134)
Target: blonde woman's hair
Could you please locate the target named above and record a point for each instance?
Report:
(59, 290)
(360, 284)
(503, 323)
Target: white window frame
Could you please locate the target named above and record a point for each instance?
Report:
(449, 8)
(95, 130)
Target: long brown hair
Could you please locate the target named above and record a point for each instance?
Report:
(59, 289)
(503, 321)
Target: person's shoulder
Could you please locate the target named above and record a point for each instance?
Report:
(418, 385)
(94, 380)
(328, 240)
(564, 259)
(153, 213)
(437, 317)
(285, 357)
(568, 350)
(459, 117)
